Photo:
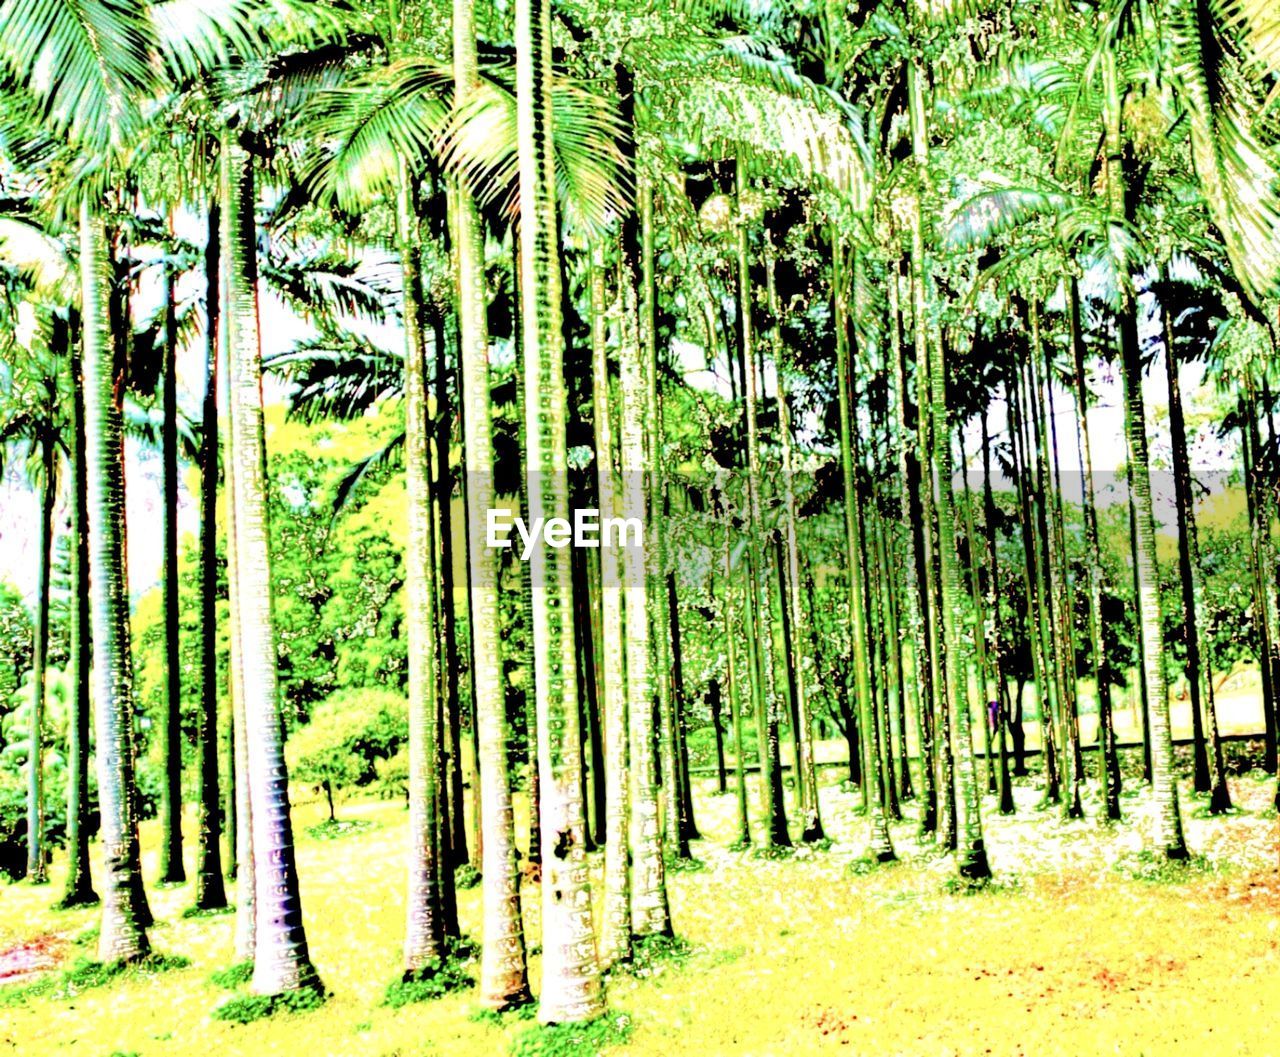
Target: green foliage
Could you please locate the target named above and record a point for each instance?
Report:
(85, 975)
(245, 1009)
(348, 734)
(573, 1040)
(443, 977)
(466, 876)
(498, 1017)
(233, 976)
(652, 954)
(1154, 867)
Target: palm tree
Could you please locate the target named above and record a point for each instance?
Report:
(281, 960)
(33, 422)
(615, 933)
(210, 890)
(571, 988)
(503, 974)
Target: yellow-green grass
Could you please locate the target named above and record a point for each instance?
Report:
(1071, 954)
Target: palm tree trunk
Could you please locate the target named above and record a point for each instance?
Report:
(504, 979)
(122, 935)
(735, 711)
(424, 944)
(1169, 835)
(973, 855)
(36, 871)
(1197, 674)
(281, 960)
(615, 925)
(650, 914)
(880, 846)
(795, 634)
(995, 618)
(170, 733)
(210, 891)
(760, 605)
(242, 830)
(1109, 763)
(79, 886)
(571, 988)
(912, 516)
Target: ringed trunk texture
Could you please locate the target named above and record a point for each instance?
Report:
(571, 987)
(122, 935)
(281, 960)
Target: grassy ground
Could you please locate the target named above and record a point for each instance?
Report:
(1085, 946)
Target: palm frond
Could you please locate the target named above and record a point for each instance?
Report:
(1238, 175)
(328, 286)
(337, 376)
(83, 64)
(367, 126)
(1258, 24)
(592, 181)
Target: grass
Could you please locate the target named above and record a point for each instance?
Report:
(1080, 945)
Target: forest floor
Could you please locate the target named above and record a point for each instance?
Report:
(1085, 945)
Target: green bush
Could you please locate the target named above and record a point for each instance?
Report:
(349, 734)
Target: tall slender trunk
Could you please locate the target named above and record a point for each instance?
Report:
(424, 943)
(1259, 569)
(1169, 836)
(912, 516)
(36, 871)
(796, 632)
(973, 855)
(242, 832)
(880, 845)
(761, 605)
(650, 913)
(571, 988)
(504, 980)
(1109, 758)
(281, 960)
(171, 867)
(615, 930)
(453, 806)
(79, 885)
(994, 619)
(210, 892)
(122, 935)
(735, 708)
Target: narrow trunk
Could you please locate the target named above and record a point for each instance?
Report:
(79, 887)
(170, 732)
(571, 988)
(650, 914)
(36, 871)
(281, 960)
(424, 942)
(880, 845)
(210, 891)
(122, 935)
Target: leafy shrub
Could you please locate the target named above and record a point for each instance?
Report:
(233, 976)
(432, 981)
(245, 1009)
(349, 733)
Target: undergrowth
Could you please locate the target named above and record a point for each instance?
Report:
(1156, 868)
(233, 976)
(573, 1040)
(442, 977)
(245, 1009)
